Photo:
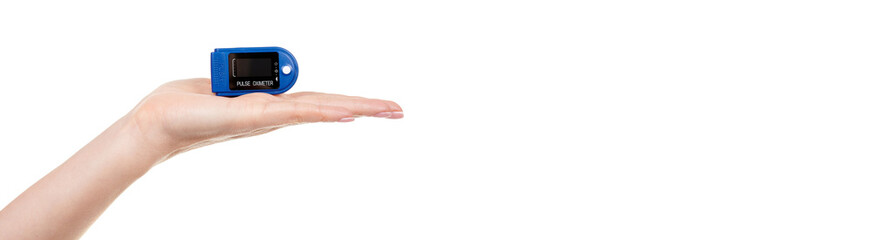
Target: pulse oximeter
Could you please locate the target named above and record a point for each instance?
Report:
(237, 71)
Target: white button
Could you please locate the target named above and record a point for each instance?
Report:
(286, 69)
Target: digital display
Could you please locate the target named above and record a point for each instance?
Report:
(251, 71)
(254, 67)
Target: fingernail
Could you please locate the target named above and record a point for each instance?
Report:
(348, 119)
(396, 115)
(382, 114)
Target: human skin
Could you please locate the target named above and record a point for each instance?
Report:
(178, 116)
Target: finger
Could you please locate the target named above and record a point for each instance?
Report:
(359, 105)
(278, 113)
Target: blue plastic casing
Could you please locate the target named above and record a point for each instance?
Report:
(221, 70)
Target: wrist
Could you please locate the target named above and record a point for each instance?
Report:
(142, 147)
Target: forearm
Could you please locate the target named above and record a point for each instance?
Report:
(64, 203)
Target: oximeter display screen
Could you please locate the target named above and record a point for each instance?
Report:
(254, 67)
(250, 71)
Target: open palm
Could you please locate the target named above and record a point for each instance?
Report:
(185, 114)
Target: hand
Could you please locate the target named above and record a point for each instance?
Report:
(185, 114)
(176, 117)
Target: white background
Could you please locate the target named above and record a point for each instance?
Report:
(524, 120)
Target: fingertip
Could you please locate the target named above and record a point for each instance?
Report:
(396, 115)
(382, 115)
(396, 112)
(346, 119)
(389, 115)
(394, 107)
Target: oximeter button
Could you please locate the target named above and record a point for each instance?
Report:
(286, 69)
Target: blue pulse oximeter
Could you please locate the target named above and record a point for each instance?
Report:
(237, 71)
